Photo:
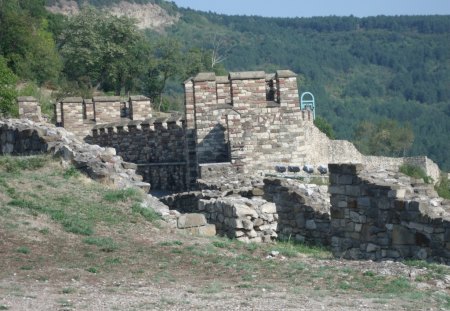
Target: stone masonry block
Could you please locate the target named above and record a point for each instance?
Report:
(191, 220)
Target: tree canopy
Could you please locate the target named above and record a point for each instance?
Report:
(7, 90)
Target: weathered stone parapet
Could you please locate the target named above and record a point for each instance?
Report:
(287, 89)
(29, 108)
(248, 90)
(107, 109)
(72, 116)
(140, 108)
(385, 215)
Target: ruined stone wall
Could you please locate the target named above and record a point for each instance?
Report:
(303, 210)
(264, 211)
(381, 215)
(25, 137)
(157, 146)
(319, 149)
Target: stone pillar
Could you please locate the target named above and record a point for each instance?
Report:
(29, 108)
(287, 90)
(107, 109)
(140, 108)
(248, 90)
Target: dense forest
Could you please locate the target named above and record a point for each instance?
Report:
(370, 76)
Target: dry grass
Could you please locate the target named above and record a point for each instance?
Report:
(68, 243)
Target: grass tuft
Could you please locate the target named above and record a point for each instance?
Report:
(123, 195)
(147, 212)
(71, 172)
(105, 244)
(23, 250)
(292, 249)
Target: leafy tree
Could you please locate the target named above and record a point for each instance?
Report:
(166, 64)
(325, 127)
(385, 138)
(8, 92)
(25, 41)
(101, 50)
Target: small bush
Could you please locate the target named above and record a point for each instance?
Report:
(415, 172)
(443, 188)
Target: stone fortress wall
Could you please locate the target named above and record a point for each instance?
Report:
(250, 122)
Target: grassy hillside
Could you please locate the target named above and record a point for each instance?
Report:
(69, 243)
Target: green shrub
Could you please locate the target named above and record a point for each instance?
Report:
(415, 172)
(443, 188)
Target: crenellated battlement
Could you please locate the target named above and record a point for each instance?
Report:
(80, 115)
(153, 124)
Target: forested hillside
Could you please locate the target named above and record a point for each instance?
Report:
(372, 78)
(359, 69)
